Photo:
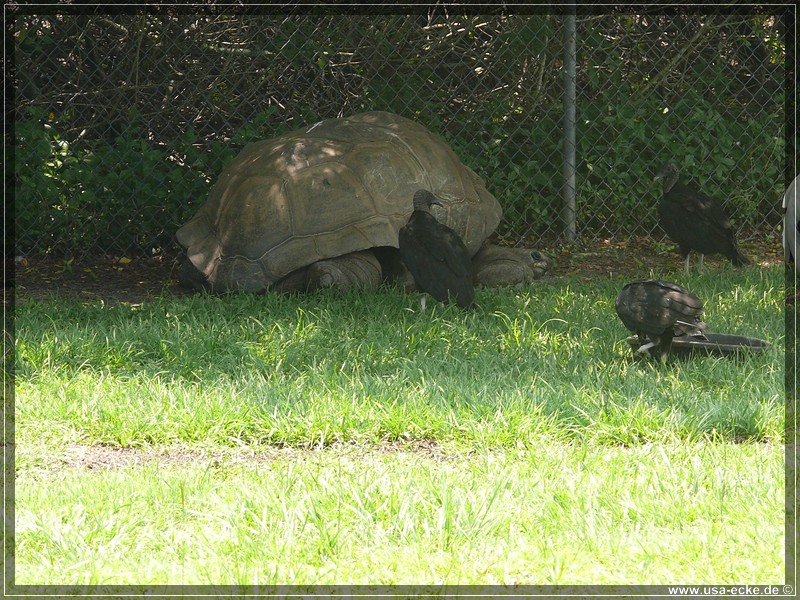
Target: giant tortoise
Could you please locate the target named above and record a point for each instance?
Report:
(322, 206)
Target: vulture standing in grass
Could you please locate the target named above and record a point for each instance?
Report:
(435, 256)
(656, 311)
(695, 221)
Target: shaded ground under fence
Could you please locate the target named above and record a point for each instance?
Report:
(114, 280)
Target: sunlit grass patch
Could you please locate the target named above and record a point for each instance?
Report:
(586, 514)
(565, 459)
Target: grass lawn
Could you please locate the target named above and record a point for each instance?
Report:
(355, 439)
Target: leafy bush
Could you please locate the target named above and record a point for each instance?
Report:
(92, 196)
(131, 195)
(44, 165)
(122, 165)
(734, 160)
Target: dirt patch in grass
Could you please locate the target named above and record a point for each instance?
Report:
(100, 457)
(111, 280)
(114, 280)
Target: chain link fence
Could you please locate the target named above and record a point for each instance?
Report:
(123, 122)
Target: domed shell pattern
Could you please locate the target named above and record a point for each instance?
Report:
(333, 188)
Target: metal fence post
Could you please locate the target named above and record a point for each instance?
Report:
(568, 211)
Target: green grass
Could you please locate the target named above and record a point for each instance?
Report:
(550, 515)
(562, 459)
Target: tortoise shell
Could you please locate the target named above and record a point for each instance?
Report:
(336, 187)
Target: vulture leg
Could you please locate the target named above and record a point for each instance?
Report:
(686, 264)
(700, 263)
(664, 344)
(645, 347)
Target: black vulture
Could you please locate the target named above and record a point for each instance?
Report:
(791, 226)
(695, 221)
(656, 311)
(434, 254)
